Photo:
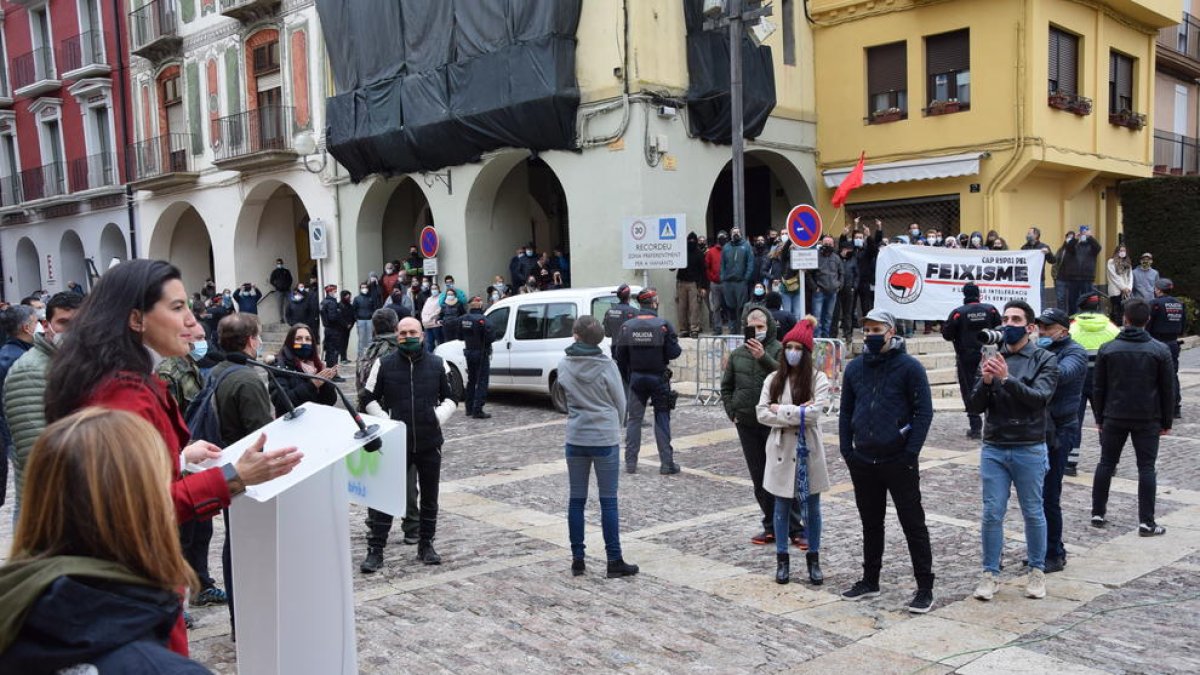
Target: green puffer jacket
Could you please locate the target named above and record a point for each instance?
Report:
(25, 404)
(742, 381)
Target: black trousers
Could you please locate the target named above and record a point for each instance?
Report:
(1058, 444)
(872, 484)
(1173, 345)
(194, 538)
(1145, 448)
(335, 345)
(754, 448)
(843, 315)
(968, 374)
(227, 568)
(428, 468)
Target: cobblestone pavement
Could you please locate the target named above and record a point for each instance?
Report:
(504, 599)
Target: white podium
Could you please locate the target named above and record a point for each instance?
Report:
(293, 591)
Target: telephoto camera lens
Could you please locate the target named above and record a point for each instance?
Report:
(990, 337)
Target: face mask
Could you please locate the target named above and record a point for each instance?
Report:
(495, 296)
(258, 349)
(278, 266)
(858, 243)
(57, 339)
(1071, 237)
(303, 351)
(363, 290)
(976, 240)
(826, 249)
(1029, 238)
(41, 314)
(298, 297)
(450, 286)
(300, 289)
(1014, 334)
(937, 241)
(227, 294)
(761, 336)
(199, 349)
(793, 357)
(874, 343)
(1045, 342)
(388, 269)
(1145, 265)
(914, 233)
(1120, 254)
(737, 238)
(411, 345)
(424, 287)
(759, 292)
(529, 253)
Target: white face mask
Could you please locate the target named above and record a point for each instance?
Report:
(793, 357)
(1120, 254)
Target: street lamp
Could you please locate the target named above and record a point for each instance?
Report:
(737, 16)
(305, 145)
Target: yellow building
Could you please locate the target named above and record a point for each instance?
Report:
(980, 115)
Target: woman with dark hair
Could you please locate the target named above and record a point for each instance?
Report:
(299, 355)
(137, 315)
(792, 401)
(93, 582)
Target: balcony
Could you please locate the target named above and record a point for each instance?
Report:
(93, 172)
(1176, 155)
(249, 11)
(154, 30)
(1179, 48)
(83, 56)
(43, 182)
(255, 138)
(161, 162)
(33, 73)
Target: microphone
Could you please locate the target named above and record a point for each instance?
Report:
(364, 432)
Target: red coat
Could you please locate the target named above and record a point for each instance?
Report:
(712, 264)
(199, 496)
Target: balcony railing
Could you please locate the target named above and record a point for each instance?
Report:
(1175, 154)
(33, 68)
(10, 191)
(83, 54)
(154, 29)
(93, 171)
(1184, 38)
(249, 11)
(263, 135)
(161, 161)
(43, 182)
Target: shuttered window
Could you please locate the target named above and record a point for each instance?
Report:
(948, 66)
(887, 77)
(1064, 62)
(1120, 82)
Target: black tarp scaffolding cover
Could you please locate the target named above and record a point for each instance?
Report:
(425, 84)
(708, 74)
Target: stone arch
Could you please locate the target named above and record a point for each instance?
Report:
(273, 223)
(392, 214)
(71, 260)
(29, 268)
(183, 238)
(774, 184)
(112, 245)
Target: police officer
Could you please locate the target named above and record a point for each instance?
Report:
(1168, 320)
(961, 328)
(477, 336)
(645, 345)
(616, 316)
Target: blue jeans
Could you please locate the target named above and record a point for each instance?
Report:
(999, 469)
(783, 523)
(433, 338)
(580, 459)
(824, 303)
(365, 333)
(792, 302)
(1059, 444)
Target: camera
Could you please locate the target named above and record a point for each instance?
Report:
(990, 337)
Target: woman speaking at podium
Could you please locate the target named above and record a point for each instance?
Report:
(137, 315)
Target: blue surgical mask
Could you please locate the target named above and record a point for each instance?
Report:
(1014, 334)
(793, 356)
(1044, 342)
(199, 349)
(874, 343)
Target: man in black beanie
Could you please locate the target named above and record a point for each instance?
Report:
(961, 328)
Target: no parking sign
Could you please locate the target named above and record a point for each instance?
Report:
(804, 225)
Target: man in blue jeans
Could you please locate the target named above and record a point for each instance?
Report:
(1014, 392)
(828, 278)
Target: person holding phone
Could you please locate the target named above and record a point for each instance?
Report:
(299, 355)
(1076, 267)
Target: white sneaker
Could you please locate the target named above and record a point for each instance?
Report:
(986, 588)
(1035, 585)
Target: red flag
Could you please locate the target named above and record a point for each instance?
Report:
(852, 180)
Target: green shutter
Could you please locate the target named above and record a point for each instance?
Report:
(187, 8)
(232, 85)
(192, 94)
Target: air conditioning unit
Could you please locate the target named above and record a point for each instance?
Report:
(760, 31)
(714, 8)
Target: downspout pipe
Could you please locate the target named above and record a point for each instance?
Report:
(122, 66)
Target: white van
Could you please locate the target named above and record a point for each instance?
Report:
(532, 333)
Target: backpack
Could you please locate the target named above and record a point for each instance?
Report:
(203, 420)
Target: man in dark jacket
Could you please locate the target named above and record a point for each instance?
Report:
(346, 314)
(477, 336)
(615, 317)
(1134, 397)
(1077, 265)
(843, 317)
(411, 386)
(298, 310)
(336, 334)
(737, 273)
(19, 323)
(866, 251)
(784, 320)
(248, 296)
(365, 304)
(691, 285)
(281, 281)
(885, 413)
(646, 346)
(828, 281)
(962, 328)
(1168, 321)
(1014, 391)
(741, 386)
(1033, 242)
(1063, 432)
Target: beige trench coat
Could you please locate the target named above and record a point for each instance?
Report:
(779, 477)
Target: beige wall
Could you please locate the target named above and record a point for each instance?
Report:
(1164, 103)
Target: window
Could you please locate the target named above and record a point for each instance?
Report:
(560, 320)
(789, 32)
(530, 320)
(887, 79)
(601, 305)
(266, 58)
(545, 322)
(1064, 60)
(1120, 83)
(948, 67)
(499, 321)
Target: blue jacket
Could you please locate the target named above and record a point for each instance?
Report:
(1072, 366)
(12, 350)
(886, 407)
(737, 262)
(247, 301)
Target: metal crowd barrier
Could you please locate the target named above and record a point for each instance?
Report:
(712, 353)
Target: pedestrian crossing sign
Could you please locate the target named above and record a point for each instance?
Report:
(666, 228)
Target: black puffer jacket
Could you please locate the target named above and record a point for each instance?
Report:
(886, 407)
(410, 389)
(1134, 380)
(1017, 409)
(299, 388)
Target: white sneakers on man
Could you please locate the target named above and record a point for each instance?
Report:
(986, 588)
(1035, 585)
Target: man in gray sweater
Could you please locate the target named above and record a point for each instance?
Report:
(595, 418)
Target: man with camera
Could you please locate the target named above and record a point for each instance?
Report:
(1014, 391)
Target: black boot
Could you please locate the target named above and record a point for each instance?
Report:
(427, 555)
(783, 572)
(814, 568)
(373, 561)
(620, 568)
(578, 567)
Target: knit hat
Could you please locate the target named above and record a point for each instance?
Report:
(970, 292)
(802, 332)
